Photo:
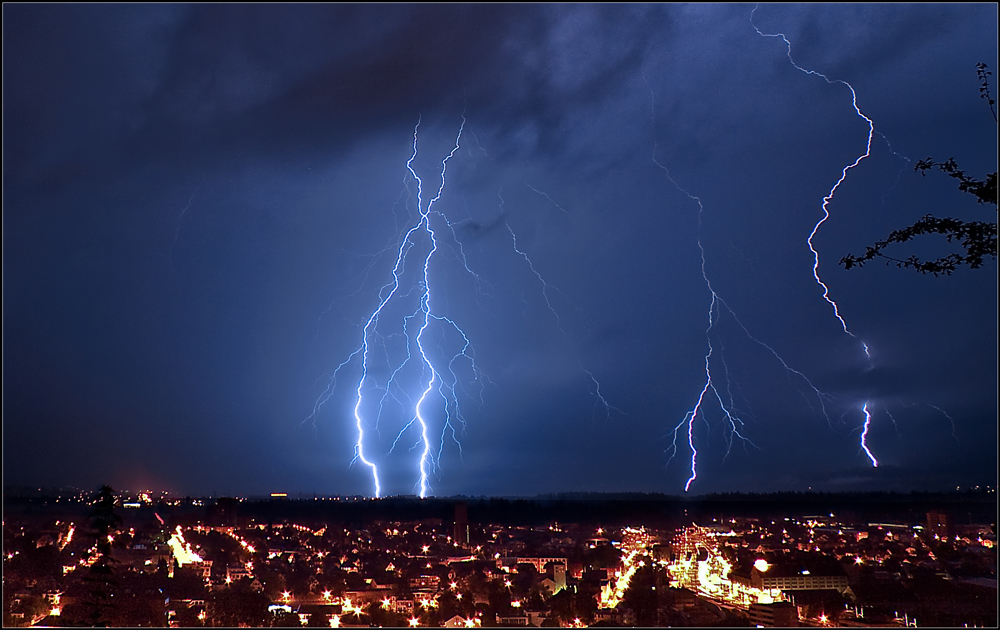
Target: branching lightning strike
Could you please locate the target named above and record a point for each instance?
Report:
(714, 312)
(727, 409)
(439, 377)
(424, 316)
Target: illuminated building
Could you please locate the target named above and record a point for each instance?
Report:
(203, 567)
(775, 615)
(520, 619)
(635, 539)
(787, 577)
(699, 565)
(237, 572)
(511, 562)
(425, 583)
(558, 580)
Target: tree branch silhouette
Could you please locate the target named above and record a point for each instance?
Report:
(977, 238)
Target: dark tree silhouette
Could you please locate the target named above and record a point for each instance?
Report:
(977, 238)
(104, 522)
(641, 597)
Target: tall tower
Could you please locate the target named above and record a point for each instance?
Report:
(938, 523)
(461, 533)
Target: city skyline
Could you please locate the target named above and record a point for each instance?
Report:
(254, 249)
(821, 562)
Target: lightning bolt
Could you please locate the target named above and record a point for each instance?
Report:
(893, 419)
(843, 174)
(180, 219)
(829, 198)
(864, 435)
(716, 303)
(425, 301)
(608, 407)
(425, 317)
(950, 420)
(438, 380)
(727, 408)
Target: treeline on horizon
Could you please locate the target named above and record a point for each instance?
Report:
(23, 491)
(586, 508)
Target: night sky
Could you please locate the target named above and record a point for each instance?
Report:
(203, 207)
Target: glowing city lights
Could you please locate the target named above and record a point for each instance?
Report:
(181, 549)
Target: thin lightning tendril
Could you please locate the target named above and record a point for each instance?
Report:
(950, 420)
(545, 285)
(546, 195)
(608, 407)
(893, 419)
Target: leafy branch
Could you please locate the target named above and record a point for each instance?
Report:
(984, 88)
(977, 238)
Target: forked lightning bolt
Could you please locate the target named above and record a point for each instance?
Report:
(714, 312)
(425, 316)
(439, 378)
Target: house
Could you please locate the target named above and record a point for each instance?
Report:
(428, 583)
(519, 619)
(536, 617)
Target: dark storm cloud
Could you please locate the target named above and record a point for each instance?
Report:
(201, 201)
(185, 82)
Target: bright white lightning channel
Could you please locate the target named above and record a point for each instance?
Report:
(864, 435)
(843, 174)
(829, 197)
(425, 315)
